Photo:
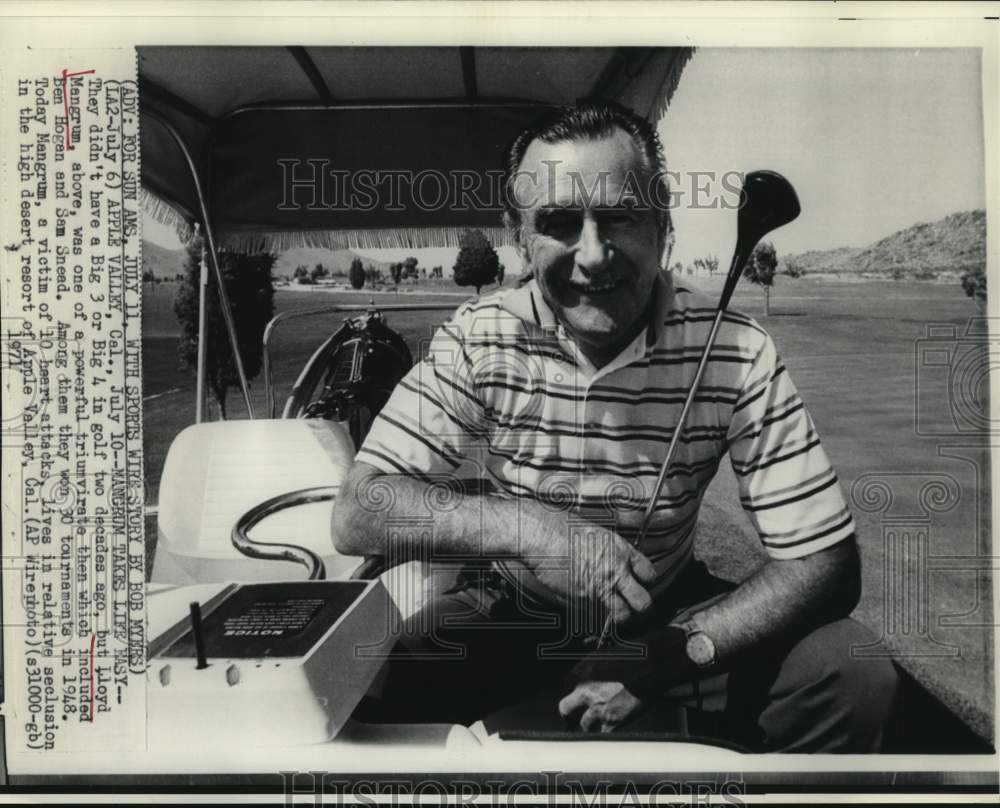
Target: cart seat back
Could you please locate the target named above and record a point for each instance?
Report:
(215, 472)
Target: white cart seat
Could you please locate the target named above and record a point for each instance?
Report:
(215, 472)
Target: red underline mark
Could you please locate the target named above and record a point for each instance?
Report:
(65, 75)
(93, 639)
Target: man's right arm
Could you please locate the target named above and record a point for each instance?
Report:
(483, 527)
(477, 526)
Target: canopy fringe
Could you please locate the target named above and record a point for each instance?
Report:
(668, 86)
(165, 213)
(380, 238)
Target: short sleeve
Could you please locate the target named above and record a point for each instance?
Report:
(787, 485)
(433, 421)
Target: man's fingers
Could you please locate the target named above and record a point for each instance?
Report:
(573, 702)
(634, 594)
(593, 719)
(642, 567)
(620, 609)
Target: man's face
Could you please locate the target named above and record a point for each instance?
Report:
(589, 238)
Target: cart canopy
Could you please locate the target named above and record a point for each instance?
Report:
(361, 147)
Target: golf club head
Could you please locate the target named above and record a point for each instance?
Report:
(767, 201)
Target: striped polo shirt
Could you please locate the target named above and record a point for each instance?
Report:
(504, 395)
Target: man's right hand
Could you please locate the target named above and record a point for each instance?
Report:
(603, 570)
(597, 569)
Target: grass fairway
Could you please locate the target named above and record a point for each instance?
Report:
(854, 350)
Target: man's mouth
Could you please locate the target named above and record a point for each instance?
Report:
(595, 289)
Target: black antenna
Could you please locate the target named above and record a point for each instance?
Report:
(199, 636)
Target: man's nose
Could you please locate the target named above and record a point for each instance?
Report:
(593, 254)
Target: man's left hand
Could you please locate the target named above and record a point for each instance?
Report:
(661, 663)
(605, 705)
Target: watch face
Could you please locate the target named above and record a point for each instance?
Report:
(700, 649)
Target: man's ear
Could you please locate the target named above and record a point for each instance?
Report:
(514, 228)
(666, 247)
(522, 250)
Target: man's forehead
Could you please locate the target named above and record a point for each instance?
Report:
(590, 171)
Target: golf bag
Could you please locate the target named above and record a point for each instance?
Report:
(351, 375)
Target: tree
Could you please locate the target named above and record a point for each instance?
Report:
(760, 270)
(709, 264)
(396, 273)
(356, 274)
(974, 285)
(251, 297)
(302, 274)
(477, 263)
(319, 271)
(792, 269)
(410, 267)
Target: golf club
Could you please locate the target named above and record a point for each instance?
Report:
(767, 201)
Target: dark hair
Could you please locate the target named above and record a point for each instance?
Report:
(591, 120)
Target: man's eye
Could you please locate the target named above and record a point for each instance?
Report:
(619, 217)
(560, 223)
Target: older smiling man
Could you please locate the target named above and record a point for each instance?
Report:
(558, 398)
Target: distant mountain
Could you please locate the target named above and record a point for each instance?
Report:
(956, 243)
(336, 262)
(838, 260)
(163, 263)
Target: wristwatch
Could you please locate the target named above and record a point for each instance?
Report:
(699, 648)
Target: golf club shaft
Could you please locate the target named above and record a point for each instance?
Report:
(675, 437)
(671, 449)
(735, 268)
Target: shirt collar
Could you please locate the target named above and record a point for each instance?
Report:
(526, 303)
(664, 303)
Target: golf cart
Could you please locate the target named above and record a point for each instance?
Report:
(244, 506)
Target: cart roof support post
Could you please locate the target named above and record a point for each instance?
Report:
(227, 312)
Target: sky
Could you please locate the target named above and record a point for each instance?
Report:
(874, 140)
